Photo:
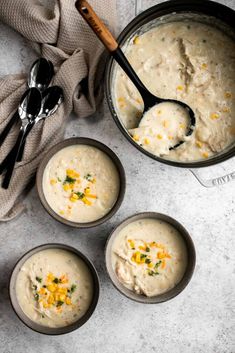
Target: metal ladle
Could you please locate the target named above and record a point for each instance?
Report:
(112, 46)
(40, 76)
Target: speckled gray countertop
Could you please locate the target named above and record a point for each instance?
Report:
(201, 319)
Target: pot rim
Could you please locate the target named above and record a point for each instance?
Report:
(56, 331)
(81, 141)
(207, 7)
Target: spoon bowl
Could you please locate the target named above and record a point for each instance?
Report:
(41, 74)
(52, 97)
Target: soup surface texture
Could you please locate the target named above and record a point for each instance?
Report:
(81, 183)
(54, 288)
(149, 257)
(191, 62)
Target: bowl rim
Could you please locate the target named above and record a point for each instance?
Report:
(173, 292)
(53, 331)
(168, 7)
(81, 141)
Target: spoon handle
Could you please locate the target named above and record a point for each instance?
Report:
(21, 150)
(113, 47)
(96, 24)
(8, 127)
(9, 156)
(10, 169)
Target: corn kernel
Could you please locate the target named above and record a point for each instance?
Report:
(163, 265)
(146, 141)
(86, 202)
(121, 99)
(51, 299)
(61, 290)
(204, 66)
(42, 291)
(162, 255)
(62, 297)
(64, 279)
(150, 265)
(136, 40)
(205, 155)
(52, 287)
(53, 181)
(136, 138)
(132, 243)
(182, 126)
(87, 190)
(68, 301)
(138, 100)
(137, 257)
(68, 187)
(214, 116)
(56, 296)
(180, 88)
(62, 213)
(50, 277)
(159, 136)
(72, 173)
(46, 305)
(170, 137)
(199, 144)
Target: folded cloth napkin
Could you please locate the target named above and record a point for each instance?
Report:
(62, 36)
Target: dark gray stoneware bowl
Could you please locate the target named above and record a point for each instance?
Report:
(188, 272)
(89, 142)
(49, 330)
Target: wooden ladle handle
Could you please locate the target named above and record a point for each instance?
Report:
(96, 25)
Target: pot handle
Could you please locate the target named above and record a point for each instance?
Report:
(138, 7)
(208, 183)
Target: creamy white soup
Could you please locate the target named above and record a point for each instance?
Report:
(191, 62)
(149, 257)
(54, 288)
(81, 183)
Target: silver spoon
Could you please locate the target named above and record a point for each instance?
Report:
(112, 46)
(52, 97)
(51, 100)
(40, 76)
(28, 111)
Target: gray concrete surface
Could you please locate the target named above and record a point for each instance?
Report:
(201, 319)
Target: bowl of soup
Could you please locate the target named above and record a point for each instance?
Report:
(54, 289)
(171, 46)
(150, 257)
(81, 182)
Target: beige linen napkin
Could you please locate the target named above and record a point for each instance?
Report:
(62, 36)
